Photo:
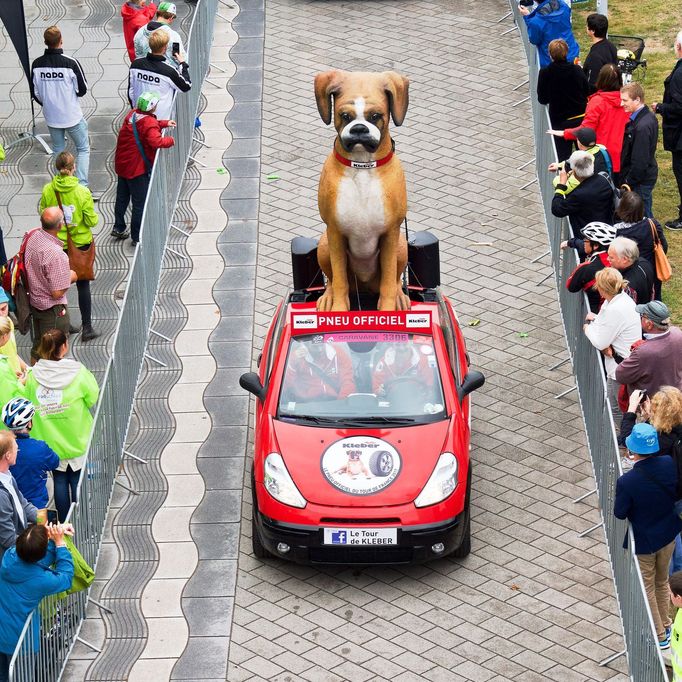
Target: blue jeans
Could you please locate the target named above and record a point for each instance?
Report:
(79, 137)
(646, 192)
(65, 487)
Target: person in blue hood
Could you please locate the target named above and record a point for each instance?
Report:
(25, 578)
(550, 20)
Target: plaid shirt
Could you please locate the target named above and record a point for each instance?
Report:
(47, 269)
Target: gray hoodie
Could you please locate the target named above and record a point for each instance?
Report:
(141, 41)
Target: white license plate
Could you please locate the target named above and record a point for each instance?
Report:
(361, 536)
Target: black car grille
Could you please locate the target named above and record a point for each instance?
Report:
(375, 522)
(360, 555)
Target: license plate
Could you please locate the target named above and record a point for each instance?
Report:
(361, 536)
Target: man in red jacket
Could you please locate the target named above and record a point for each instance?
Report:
(138, 140)
(135, 13)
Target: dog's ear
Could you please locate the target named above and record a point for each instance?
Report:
(396, 88)
(327, 84)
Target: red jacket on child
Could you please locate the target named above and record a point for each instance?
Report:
(128, 161)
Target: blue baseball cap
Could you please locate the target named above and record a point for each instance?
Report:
(4, 298)
(643, 440)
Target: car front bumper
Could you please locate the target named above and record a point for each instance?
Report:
(414, 543)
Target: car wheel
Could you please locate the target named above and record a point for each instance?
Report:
(464, 548)
(256, 545)
(381, 463)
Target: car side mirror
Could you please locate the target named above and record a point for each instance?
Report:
(250, 382)
(473, 380)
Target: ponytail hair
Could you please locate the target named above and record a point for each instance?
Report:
(65, 162)
(51, 342)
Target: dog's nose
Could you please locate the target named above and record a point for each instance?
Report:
(359, 129)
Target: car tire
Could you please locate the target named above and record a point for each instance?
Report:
(381, 463)
(464, 548)
(257, 547)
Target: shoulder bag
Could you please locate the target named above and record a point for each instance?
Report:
(663, 270)
(147, 163)
(81, 261)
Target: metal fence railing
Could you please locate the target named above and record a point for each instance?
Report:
(44, 646)
(644, 657)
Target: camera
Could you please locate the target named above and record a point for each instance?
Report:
(176, 48)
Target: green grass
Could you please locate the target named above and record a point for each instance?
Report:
(657, 21)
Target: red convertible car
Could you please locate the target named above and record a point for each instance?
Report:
(362, 433)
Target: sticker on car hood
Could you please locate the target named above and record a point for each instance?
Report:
(361, 465)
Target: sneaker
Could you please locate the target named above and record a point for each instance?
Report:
(664, 643)
(674, 224)
(134, 242)
(668, 631)
(88, 333)
(120, 235)
(96, 197)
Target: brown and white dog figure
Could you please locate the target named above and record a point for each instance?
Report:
(362, 195)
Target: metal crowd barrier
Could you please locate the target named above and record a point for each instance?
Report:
(644, 656)
(42, 657)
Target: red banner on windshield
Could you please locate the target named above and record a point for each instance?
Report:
(392, 321)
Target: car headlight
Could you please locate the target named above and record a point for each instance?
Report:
(442, 482)
(279, 483)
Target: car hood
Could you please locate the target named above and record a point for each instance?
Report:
(360, 467)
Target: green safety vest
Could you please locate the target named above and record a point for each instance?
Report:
(676, 647)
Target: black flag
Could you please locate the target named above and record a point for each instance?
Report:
(12, 15)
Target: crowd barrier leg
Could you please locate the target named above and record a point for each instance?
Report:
(585, 496)
(187, 234)
(215, 66)
(147, 356)
(528, 184)
(130, 454)
(520, 85)
(558, 364)
(527, 164)
(589, 530)
(159, 334)
(613, 657)
(565, 393)
(499, 21)
(514, 28)
(521, 101)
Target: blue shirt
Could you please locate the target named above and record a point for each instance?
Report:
(34, 460)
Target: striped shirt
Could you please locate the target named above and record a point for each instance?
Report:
(47, 269)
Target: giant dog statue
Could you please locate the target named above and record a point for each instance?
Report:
(362, 195)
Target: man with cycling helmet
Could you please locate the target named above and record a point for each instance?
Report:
(35, 458)
(596, 239)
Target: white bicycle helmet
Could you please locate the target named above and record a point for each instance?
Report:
(17, 414)
(601, 233)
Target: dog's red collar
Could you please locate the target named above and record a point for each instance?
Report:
(363, 164)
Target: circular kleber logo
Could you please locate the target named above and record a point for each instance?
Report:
(361, 465)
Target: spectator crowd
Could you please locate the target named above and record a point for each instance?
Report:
(605, 187)
(46, 400)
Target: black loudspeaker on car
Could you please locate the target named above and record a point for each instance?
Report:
(423, 259)
(304, 265)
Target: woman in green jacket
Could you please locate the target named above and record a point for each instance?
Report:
(63, 391)
(79, 214)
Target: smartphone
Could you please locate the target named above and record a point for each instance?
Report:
(176, 48)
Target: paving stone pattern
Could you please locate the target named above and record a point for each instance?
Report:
(533, 602)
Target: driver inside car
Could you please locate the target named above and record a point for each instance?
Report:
(403, 361)
(318, 371)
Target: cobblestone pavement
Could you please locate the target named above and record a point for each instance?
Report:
(533, 601)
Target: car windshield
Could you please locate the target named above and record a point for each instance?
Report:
(359, 378)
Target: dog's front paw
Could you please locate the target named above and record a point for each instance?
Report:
(398, 302)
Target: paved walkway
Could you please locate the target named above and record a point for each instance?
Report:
(533, 601)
